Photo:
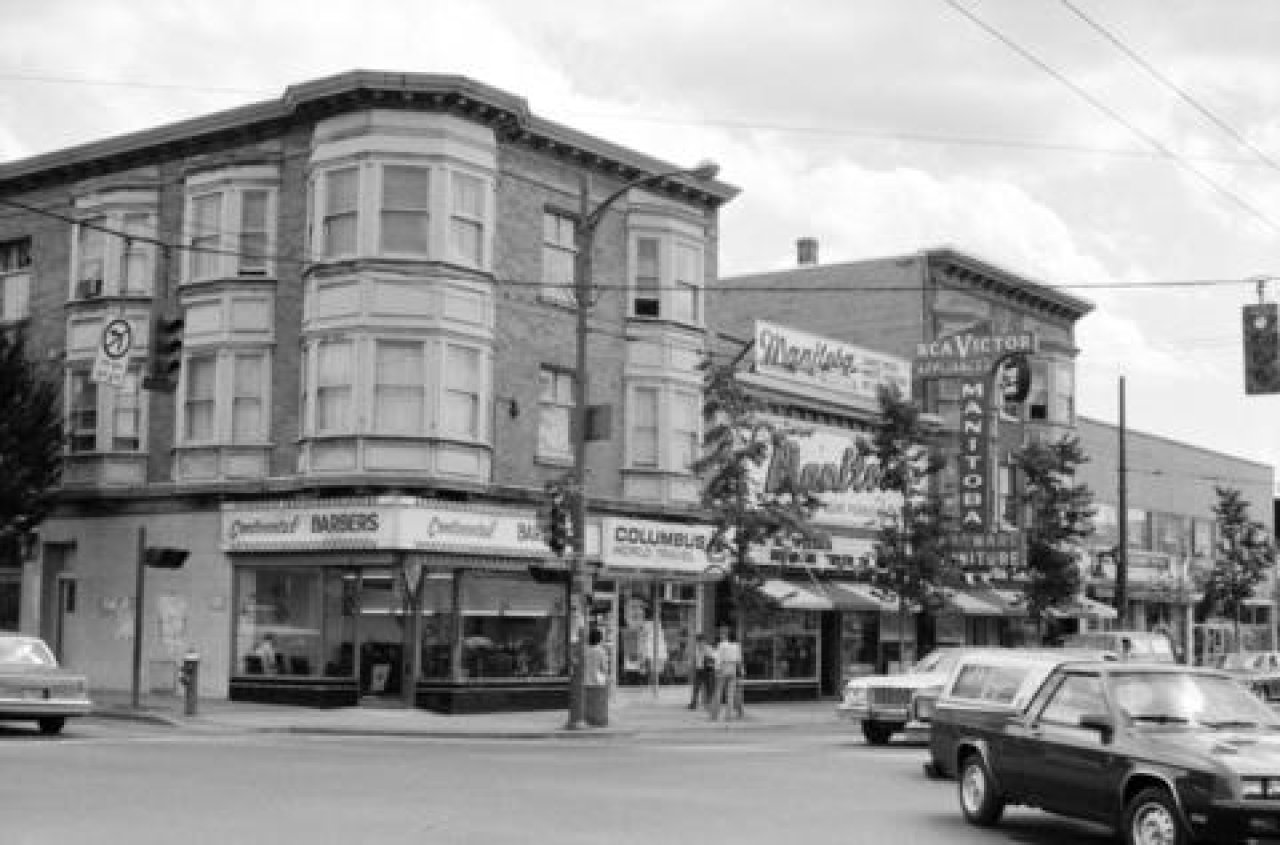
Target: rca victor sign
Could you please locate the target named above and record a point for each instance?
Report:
(833, 366)
(968, 354)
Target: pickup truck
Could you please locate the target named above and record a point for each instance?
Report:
(1162, 753)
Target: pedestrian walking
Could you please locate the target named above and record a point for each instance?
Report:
(728, 675)
(703, 674)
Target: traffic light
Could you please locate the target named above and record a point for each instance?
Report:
(1261, 349)
(161, 557)
(554, 517)
(166, 352)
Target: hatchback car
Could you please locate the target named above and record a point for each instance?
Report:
(33, 686)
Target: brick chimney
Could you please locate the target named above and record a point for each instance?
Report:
(807, 251)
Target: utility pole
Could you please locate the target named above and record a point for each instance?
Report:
(1122, 525)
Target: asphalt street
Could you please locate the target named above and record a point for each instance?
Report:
(114, 782)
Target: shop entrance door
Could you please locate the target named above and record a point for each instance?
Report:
(381, 633)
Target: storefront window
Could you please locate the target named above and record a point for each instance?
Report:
(280, 612)
(667, 661)
(783, 646)
(512, 627)
(859, 643)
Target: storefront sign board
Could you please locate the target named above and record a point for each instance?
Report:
(831, 366)
(661, 546)
(975, 421)
(828, 463)
(968, 354)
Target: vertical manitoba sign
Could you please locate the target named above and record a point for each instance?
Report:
(974, 358)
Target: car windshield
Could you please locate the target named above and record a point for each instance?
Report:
(1184, 697)
(25, 652)
(938, 661)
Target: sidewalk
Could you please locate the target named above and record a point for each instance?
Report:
(632, 713)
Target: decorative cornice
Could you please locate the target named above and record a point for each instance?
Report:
(959, 270)
(310, 101)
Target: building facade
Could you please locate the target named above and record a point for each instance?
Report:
(373, 276)
(901, 310)
(1171, 533)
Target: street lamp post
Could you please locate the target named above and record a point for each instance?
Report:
(584, 240)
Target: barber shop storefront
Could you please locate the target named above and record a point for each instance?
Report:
(449, 608)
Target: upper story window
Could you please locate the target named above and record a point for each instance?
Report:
(15, 280)
(555, 411)
(559, 253)
(667, 276)
(107, 420)
(403, 209)
(230, 223)
(225, 397)
(395, 387)
(114, 248)
(1052, 396)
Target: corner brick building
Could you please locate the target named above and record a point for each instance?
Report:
(374, 276)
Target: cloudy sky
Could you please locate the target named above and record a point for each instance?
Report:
(1127, 151)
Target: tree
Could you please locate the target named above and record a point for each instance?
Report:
(738, 442)
(1061, 516)
(31, 444)
(911, 558)
(1244, 554)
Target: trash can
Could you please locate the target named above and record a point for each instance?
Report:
(595, 705)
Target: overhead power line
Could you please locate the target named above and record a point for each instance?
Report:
(1172, 86)
(1147, 137)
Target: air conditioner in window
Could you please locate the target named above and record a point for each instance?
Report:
(647, 307)
(88, 288)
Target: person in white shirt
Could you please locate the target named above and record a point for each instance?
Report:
(728, 675)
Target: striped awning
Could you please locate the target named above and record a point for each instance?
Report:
(972, 605)
(1083, 607)
(862, 597)
(795, 595)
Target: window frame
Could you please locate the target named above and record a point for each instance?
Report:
(132, 212)
(222, 253)
(658, 297)
(225, 396)
(555, 251)
(106, 406)
(15, 280)
(557, 375)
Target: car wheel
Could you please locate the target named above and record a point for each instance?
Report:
(877, 733)
(51, 725)
(1152, 818)
(979, 801)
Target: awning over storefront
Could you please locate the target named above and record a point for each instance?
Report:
(1012, 603)
(1083, 607)
(862, 597)
(973, 605)
(795, 596)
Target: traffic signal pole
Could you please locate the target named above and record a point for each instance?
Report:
(139, 611)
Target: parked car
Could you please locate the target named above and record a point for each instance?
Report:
(1162, 753)
(881, 704)
(1259, 671)
(1003, 680)
(1144, 646)
(33, 686)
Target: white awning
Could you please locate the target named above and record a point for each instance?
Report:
(795, 596)
(1081, 607)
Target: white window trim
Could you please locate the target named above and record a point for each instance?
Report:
(668, 239)
(108, 211)
(104, 433)
(17, 278)
(554, 457)
(231, 185)
(368, 240)
(223, 434)
(668, 451)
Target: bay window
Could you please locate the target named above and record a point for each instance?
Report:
(224, 399)
(341, 204)
(231, 222)
(104, 420)
(410, 208)
(466, 226)
(399, 400)
(686, 439)
(667, 273)
(406, 210)
(461, 412)
(644, 427)
(91, 265)
(334, 373)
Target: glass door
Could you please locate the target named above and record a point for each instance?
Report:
(383, 603)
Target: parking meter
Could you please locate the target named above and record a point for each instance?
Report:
(189, 676)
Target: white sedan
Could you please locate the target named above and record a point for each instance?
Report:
(34, 687)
